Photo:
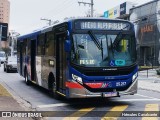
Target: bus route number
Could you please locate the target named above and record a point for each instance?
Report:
(120, 84)
(87, 62)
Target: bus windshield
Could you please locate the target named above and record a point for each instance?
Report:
(103, 49)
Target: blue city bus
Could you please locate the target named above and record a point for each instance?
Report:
(81, 58)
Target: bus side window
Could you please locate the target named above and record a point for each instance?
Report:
(49, 44)
(28, 46)
(40, 45)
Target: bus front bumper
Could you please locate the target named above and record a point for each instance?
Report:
(82, 92)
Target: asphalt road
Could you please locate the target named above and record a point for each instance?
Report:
(87, 109)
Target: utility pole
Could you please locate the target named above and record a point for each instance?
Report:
(90, 4)
(13, 38)
(1, 32)
(49, 21)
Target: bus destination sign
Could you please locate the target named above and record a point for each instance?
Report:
(101, 25)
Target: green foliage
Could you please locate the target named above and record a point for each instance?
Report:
(7, 50)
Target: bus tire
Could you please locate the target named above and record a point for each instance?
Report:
(52, 87)
(26, 78)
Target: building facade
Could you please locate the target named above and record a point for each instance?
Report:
(4, 11)
(146, 19)
(121, 11)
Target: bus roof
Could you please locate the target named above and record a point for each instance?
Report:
(30, 35)
(49, 28)
(95, 18)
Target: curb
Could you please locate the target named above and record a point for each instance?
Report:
(141, 88)
(148, 78)
(150, 85)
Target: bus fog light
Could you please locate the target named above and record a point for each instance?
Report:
(77, 78)
(134, 76)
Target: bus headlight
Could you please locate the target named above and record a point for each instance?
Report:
(77, 78)
(134, 77)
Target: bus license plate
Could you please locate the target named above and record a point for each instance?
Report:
(110, 94)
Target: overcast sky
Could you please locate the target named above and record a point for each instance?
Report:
(25, 15)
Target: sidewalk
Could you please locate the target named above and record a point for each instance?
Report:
(149, 80)
(7, 102)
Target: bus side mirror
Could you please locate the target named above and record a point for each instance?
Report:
(67, 45)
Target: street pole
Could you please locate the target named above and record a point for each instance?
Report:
(12, 48)
(12, 42)
(1, 32)
(92, 8)
(13, 39)
(91, 4)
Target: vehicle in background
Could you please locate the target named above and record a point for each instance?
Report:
(2, 56)
(15, 53)
(10, 64)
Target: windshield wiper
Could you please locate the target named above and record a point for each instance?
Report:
(112, 48)
(98, 44)
(94, 38)
(119, 36)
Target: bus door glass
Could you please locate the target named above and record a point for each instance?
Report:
(20, 61)
(21, 52)
(60, 61)
(32, 63)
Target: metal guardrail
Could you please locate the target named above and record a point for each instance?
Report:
(150, 64)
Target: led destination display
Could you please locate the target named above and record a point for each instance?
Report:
(103, 25)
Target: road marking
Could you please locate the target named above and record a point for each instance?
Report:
(120, 108)
(151, 107)
(52, 105)
(146, 96)
(78, 114)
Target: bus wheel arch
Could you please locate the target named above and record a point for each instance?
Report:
(51, 81)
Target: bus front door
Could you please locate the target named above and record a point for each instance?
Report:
(61, 63)
(20, 62)
(33, 60)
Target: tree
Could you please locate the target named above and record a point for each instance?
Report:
(7, 50)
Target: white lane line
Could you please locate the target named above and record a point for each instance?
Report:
(52, 105)
(146, 96)
(132, 100)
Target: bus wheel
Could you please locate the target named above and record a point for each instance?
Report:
(26, 78)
